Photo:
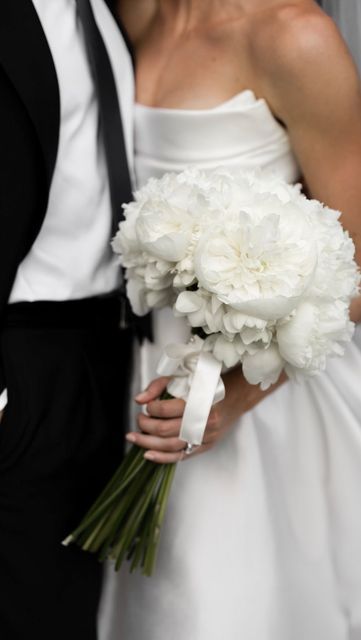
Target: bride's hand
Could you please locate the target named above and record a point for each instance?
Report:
(160, 426)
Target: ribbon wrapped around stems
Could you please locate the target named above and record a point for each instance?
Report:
(196, 378)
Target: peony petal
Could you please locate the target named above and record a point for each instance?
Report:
(225, 351)
(136, 293)
(189, 302)
(294, 337)
(263, 308)
(263, 367)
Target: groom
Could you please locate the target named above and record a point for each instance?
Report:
(64, 360)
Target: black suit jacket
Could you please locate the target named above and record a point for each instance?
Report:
(29, 135)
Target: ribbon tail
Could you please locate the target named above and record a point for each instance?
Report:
(206, 386)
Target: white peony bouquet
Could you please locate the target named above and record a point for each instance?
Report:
(263, 276)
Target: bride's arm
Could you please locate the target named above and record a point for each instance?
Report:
(313, 86)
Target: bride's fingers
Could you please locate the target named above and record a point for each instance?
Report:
(153, 391)
(169, 458)
(164, 458)
(155, 427)
(166, 408)
(156, 443)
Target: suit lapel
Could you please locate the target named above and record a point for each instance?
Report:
(26, 59)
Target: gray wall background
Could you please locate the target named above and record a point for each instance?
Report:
(347, 14)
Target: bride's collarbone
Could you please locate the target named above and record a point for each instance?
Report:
(194, 79)
(201, 71)
(204, 68)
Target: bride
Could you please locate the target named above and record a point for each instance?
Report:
(262, 539)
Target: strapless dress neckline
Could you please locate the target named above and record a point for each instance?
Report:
(240, 132)
(247, 97)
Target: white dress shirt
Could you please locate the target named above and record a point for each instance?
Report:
(71, 257)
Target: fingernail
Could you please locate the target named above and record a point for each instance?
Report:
(141, 396)
(149, 456)
(130, 437)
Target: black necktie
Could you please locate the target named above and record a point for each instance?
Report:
(113, 135)
(109, 112)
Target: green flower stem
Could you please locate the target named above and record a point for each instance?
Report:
(139, 549)
(158, 517)
(133, 525)
(97, 531)
(138, 552)
(123, 513)
(139, 479)
(90, 518)
(132, 460)
(126, 518)
(131, 465)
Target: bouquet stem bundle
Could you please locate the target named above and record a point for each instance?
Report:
(125, 521)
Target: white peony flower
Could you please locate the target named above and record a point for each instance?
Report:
(192, 305)
(157, 275)
(234, 321)
(259, 267)
(252, 330)
(126, 243)
(337, 274)
(148, 288)
(314, 333)
(164, 231)
(136, 293)
(225, 350)
(263, 367)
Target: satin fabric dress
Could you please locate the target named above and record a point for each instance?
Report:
(262, 538)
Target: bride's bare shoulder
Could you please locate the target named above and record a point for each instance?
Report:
(299, 36)
(136, 16)
(301, 57)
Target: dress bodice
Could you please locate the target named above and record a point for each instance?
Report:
(241, 132)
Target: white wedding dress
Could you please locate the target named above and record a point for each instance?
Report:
(262, 538)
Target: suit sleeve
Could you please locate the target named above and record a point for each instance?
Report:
(22, 192)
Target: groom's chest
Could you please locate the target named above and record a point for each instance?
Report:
(65, 38)
(42, 51)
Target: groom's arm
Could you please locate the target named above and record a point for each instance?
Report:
(22, 193)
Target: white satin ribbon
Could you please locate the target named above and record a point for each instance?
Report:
(196, 378)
